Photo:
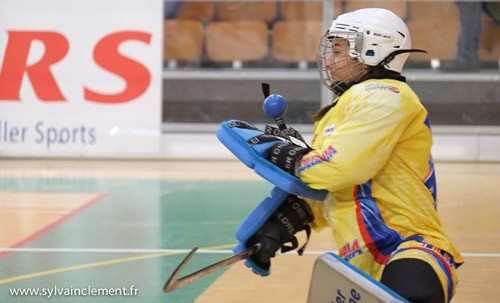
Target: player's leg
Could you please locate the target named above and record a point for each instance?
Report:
(414, 280)
(420, 273)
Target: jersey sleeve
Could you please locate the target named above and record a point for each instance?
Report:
(318, 210)
(356, 150)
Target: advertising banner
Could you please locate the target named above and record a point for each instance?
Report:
(80, 78)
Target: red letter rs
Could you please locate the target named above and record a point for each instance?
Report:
(15, 65)
(136, 75)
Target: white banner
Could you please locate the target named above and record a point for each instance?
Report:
(80, 78)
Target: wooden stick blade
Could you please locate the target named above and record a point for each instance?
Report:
(170, 284)
(174, 283)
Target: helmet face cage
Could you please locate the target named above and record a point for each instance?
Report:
(337, 71)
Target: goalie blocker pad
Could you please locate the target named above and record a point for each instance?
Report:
(251, 146)
(335, 280)
(254, 221)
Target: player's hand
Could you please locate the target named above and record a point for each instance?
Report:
(268, 238)
(293, 216)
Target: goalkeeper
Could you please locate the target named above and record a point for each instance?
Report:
(371, 151)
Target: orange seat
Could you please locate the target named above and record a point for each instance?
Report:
(202, 11)
(237, 40)
(429, 32)
(239, 11)
(302, 10)
(183, 40)
(306, 10)
(295, 41)
(399, 7)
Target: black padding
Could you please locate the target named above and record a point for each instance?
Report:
(242, 124)
(414, 280)
(284, 133)
(293, 216)
(286, 154)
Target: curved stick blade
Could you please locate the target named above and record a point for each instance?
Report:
(172, 281)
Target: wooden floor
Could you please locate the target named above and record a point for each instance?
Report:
(469, 204)
(25, 214)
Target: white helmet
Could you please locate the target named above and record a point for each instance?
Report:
(376, 37)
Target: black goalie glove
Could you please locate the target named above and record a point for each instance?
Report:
(293, 216)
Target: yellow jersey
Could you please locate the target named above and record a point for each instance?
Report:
(372, 152)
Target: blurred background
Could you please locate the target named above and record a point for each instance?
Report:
(110, 171)
(189, 65)
(216, 53)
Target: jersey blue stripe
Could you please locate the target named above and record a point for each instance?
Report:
(427, 122)
(447, 272)
(385, 239)
(430, 182)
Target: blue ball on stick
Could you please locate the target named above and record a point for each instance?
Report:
(275, 106)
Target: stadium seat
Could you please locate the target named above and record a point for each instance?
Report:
(239, 11)
(429, 32)
(201, 11)
(302, 10)
(296, 41)
(183, 40)
(237, 40)
(399, 7)
(306, 10)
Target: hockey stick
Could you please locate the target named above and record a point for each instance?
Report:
(175, 283)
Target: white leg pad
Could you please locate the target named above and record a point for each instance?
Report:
(336, 281)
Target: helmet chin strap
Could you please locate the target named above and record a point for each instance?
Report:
(339, 87)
